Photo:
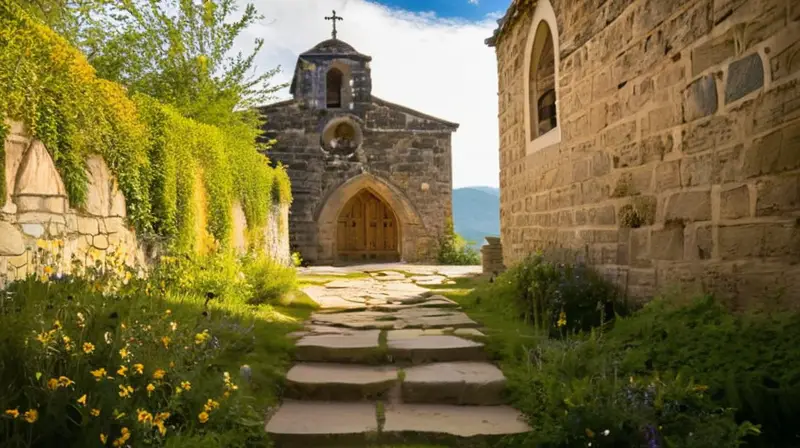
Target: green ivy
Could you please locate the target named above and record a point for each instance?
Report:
(150, 148)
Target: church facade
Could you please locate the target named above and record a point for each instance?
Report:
(371, 180)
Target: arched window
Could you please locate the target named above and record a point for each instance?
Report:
(333, 86)
(542, 83)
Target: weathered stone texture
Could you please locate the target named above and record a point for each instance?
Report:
(688, 113)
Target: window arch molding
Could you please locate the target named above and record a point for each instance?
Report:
(543, 13)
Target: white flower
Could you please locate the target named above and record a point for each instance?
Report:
(606, 432)
(109, 339)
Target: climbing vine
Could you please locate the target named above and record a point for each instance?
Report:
(148, 146)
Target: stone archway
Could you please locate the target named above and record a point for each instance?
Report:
(390, 207)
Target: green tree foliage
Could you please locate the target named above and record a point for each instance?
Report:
(454, 249)
(178, 51)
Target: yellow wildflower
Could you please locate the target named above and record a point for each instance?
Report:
(99, 373)
(159, 374)
(95, 412)
(65, 382)
(125, 434)
(173, 326)
(88, 348)
(186, 385)
(57, 324)
(125, 391)
(165, 340)
(160, 425)
(67, 343)
(562, 319)
(103, 438)
(123, 353)
(52, 384)
(202, 417)
(82, 400)
(44, 279)
(138, 368)
(226, 394)
(168, 312)
(210, 405)
(171, 365)
(144, 417)
(41, 244)
(31, 415)
(45, 337)
(48, 270)
(13, 413)
(150, 389)
(200, 338)
(122, 371)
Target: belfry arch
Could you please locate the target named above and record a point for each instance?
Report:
(367, 220)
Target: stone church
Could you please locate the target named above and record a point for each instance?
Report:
(658, 140)
(371, 180)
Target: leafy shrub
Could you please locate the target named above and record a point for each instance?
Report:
(556, 296)
(454, 250)
(297, 259)
(106, 355)
(269, 280)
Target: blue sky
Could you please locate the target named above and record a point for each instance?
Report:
(463, 9)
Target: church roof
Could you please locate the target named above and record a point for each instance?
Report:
(334, 47)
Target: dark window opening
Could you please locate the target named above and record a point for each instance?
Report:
(547, 112)
(333, 83)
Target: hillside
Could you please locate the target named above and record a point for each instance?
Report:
(476, 213)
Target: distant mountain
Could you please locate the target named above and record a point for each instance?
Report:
(476, 213)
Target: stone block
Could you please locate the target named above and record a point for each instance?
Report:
(778, 105)
(100, 242)
(689, 206)
(12, 241)
(668, 175)
(662, 118)
(700, 99)
(735, 202)
(580, 170)
(598, 236)
(656, 147)
(35, 230)
(778, 196)
(634, 182)
(744, 77)
(640, 248)
(774, 153)
(601, 164)
(787, 62)
(703, 245)
(667, 243)
(596, 216)
(713, 52)
(758, 241)
(716, 167)
(628, 155)
(621, 134)
(718, 131)
(88, 226)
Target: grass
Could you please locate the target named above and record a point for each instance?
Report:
(322, 279)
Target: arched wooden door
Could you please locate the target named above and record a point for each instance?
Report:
(367, 230)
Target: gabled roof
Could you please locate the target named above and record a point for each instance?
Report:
(511, 13)
(327, 49)
(417, 113)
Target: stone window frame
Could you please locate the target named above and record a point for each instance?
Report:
(346, 87)
(544, 12)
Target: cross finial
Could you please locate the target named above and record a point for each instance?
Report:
(333, 19)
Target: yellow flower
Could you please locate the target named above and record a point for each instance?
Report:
(31, 416)
(202, 417)
(48, 270)
(144, 417)
(562, 319)
(210, 405)
(88, 348)
(125, 391)
(138, 368)
(52, 384)
(41, 244)
(200, 338)
(165, 340)
(13, 413)
(168, 312)
(150, 389)
(99, 374)
(171, 365)
(67, 343)
(226, 394)
(173, 326)
(122, 371)
(65, 382)
(159, 374)
(103, 438)
(57, 325)
(123, 353)
(161, 428)
(125, 434)
(95, 412)
(186, 385)
(44, 279)
(82, 400)
(45, 337)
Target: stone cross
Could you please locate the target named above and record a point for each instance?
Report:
(334, 18)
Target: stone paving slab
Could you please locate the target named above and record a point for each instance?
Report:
(312, 423)
(410, 317)
(326, 381)
(459, 421)
(350, 348)
(434, 348)
(476, 383)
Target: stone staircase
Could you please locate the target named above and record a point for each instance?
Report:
(403, 367)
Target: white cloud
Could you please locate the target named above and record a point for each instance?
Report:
(472, 2)
(438, 66)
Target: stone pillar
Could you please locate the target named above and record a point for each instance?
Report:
(492, 255)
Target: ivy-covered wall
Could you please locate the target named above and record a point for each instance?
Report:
(182, 182)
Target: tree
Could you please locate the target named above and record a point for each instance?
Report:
(178, 51)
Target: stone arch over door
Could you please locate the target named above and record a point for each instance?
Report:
(409, 223)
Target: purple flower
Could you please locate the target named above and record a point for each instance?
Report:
(652, 437)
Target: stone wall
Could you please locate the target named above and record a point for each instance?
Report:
(404, 157)
(36, 210)
(679, 158)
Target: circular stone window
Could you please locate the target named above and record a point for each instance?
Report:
(341, 136)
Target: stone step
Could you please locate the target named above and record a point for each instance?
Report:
(324, 381)
(461, 383)
(353, 347)
(435, 348)
(319, 423)
(423, 422)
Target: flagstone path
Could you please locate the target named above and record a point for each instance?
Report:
(386, 360)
